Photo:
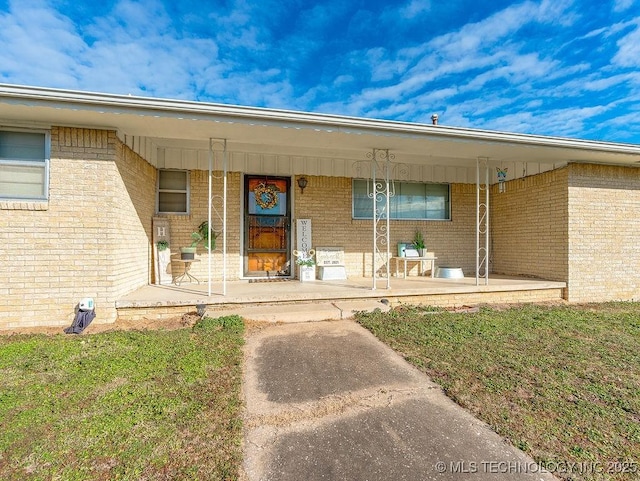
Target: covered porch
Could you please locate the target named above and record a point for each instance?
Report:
(517, 205)
(273, 300)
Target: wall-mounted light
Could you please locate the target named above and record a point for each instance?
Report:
(302, 183)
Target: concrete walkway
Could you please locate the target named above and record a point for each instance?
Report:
(328, 401)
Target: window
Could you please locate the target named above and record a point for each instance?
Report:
(412, 200)
(24, 165)
(173, 192)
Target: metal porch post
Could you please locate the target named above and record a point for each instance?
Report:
(482, 220)
(223, 218)
(210, 190)
(381, 190)
(374, 217)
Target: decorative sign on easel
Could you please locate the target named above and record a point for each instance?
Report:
(162, 251)
(411, 252)
(330, 262)
(329, 256)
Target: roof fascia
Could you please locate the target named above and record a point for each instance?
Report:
(123, 104)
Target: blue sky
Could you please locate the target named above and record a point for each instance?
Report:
(552, 67)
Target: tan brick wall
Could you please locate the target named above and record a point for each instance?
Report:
(579, 224)
(327, 201)
(604, 233)
(181, 226)
(529, 227)
(78, 244)
(133, 194)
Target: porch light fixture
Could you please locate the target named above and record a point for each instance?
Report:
(302, 183)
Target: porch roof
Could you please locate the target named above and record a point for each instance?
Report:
(189, 125)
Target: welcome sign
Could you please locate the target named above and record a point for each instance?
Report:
(303, 235)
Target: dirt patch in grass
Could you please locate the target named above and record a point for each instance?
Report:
(559, 382)
(178, 322)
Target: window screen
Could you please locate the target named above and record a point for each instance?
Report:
(24, 165)
(412, 200)
(173, 191)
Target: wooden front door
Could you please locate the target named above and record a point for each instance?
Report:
(267, 223)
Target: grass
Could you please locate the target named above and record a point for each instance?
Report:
(561, 383)
(123, 405)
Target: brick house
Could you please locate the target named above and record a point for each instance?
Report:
(84, 175)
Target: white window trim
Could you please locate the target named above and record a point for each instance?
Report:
(187, 192)
(47, 159)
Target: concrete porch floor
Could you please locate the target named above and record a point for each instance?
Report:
(293, 300)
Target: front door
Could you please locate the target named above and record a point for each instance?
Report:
(267, 222)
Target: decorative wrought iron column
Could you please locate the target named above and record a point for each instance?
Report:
(380, 172)
(482, 219)
(217, 204)
(380, 190)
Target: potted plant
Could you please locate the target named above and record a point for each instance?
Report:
(201, 235)
(163, 260)
(203, 231)
(418, 243)
(307, 266)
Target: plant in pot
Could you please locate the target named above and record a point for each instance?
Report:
(418, 243)
(163, 273)
(203, 230)
(201, 235)
(307, 264)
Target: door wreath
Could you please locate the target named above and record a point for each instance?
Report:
(266, 196)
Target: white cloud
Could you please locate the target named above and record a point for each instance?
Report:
(414, 8)
(467, 60)
(503, 72)
(558, 12)
(628, 54)
(234, 29)
(381, 66)
(477, 36)
(343, 80)
(595, 33)
(521, 69)
(567, 122)
(622, 5)
(129, 53)
(624, 126)
(32, 40)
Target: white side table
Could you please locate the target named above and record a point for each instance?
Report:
(404, 260)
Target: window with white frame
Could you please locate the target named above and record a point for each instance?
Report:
(173, 192)
(412, 201)
(24, 165)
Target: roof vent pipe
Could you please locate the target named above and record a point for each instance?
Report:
(434, 119)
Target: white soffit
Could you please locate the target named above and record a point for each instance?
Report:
(189, 125)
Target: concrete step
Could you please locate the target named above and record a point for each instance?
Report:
(301, 312)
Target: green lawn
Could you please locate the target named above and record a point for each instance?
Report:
(561, 383)
(123, 405)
